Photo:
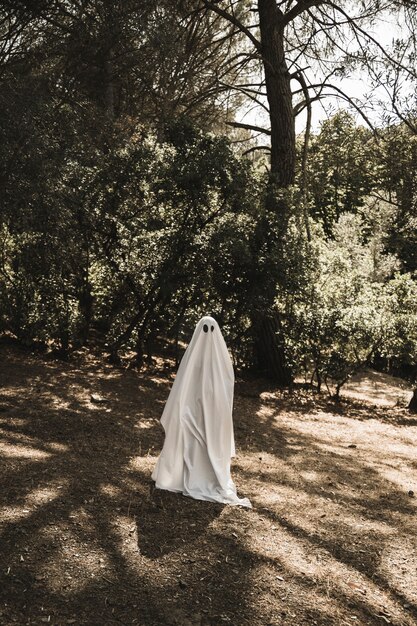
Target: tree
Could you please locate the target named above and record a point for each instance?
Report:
(289, 37)
(80, 84)
(342, 169)
(148, 60)
(398, 180)
(354, 306)
(92, 166)
(302, 45)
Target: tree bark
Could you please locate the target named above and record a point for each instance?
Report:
(277, 81)
(412, 407)
(109, 86)
(269, 336)
(270, 349)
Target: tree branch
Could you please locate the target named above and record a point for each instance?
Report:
(299, 76)
(257, 129)
(248, 93)
(254, 148)
(233, 20)
(353, 23)
(300, 7)
(351, 101)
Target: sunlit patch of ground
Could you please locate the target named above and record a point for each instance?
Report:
(86, 539)
(13, 450)
(378, 388)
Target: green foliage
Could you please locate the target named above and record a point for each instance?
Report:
(347, 165)
(400, 323)
(341, 170)
(122, 213)
(140, 237)
(398, 176)
(129, 242)
(354, 307)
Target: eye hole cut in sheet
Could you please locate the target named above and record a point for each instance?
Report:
(198, 424)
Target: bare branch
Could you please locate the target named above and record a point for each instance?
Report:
(254, 148)
(233, 20)
(257, 129)
(353, 23)
(304, 174)
(356, 106)
(300, 7)
(247, 92)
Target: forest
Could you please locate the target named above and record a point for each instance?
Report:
(251, 160)
(133, 201)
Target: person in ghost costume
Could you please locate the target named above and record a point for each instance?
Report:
(198, 425)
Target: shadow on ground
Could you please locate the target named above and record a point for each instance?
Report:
(87, 540)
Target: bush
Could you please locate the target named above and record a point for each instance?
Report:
(353, 308)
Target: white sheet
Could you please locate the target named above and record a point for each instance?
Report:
(197, 419)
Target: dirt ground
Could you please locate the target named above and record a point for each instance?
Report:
(85, 539)
(378, 389)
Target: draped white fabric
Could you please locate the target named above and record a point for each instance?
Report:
(197, 419)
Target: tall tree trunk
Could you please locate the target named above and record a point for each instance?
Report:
(269, 337)
(271, 46)
(277, 81)
(270, 349)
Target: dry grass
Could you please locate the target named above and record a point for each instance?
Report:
(86, 540)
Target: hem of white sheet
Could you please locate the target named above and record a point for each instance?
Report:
(168, 489)
(245, 502)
